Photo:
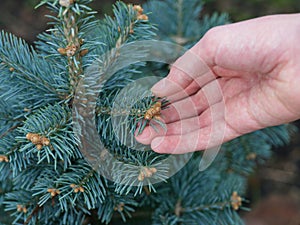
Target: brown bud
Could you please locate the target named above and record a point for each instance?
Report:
(147, 172)
(35, 139)
(39, 147)
(147, 116)
(11, 69)
(142, 17)
(66, 3)
(157, 117)
(235, 207)
(24, 210)
(157, 109)
(19, 208)
(53, 191)
(81, 189)
(4, 158)
(152, 111)
(119, 207)
(158, 104)
(138, 8)
(141, 176)
(153, 170)
(62, 51)
(28, 136)
(236, 201)
(71, 50)
(45, 141)
(83, 52)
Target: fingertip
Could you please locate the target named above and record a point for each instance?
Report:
(145, 137)
(165, 145)
(159, 88)
(167, 87)
(157, 146)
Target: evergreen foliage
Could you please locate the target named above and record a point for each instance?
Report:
(45, 178)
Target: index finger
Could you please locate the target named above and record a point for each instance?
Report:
(188, 69)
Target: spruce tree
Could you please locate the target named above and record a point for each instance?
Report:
(69, 113)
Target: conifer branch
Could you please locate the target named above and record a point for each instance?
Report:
(18, 68)
(9, 130)
(72, 50)
(34, 211)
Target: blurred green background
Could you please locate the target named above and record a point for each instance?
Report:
(274, 191)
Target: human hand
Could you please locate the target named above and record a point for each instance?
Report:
(237, 79)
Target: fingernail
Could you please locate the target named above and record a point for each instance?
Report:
(156, 143)
(159, 86)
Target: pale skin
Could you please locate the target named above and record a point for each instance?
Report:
(255, 65)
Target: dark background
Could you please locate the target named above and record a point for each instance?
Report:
(274, 190)
(20, 18)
